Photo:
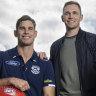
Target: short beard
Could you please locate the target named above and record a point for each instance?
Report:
(71, 28)
(24, 44)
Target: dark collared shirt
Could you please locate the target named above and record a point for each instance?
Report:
(37, 72)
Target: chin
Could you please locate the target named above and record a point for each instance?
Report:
(71, 27)
(25, 44)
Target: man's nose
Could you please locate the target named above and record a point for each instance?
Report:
(26, 31)
(70, 15)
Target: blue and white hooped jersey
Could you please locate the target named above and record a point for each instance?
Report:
(37, 72)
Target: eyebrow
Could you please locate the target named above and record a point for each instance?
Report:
(23, 27)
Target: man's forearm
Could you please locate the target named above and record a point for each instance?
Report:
(49, 91)
(5, 81)
(16, 82)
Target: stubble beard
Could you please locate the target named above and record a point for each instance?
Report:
(22, 44)
(72, 28)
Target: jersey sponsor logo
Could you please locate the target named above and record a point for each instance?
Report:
(35, 69)
(10, 91)
(12, 62)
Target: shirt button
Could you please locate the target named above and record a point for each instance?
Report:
(25, 69)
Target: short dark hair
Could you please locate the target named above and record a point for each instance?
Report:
(72, 2)
(24, 18)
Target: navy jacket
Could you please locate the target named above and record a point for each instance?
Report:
(86, 59)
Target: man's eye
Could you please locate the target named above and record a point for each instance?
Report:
(67, 13)
(21, 28)
(30, 28)
(75, 12)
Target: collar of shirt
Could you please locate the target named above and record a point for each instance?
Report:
(16, 54)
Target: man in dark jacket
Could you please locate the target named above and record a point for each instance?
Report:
(73, 56)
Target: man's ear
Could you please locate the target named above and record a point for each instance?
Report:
(62, 18)
(35, 33)
(15, 33)
(81, 17)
